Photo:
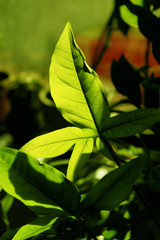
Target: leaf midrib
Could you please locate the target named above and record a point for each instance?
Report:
(125, 122)
(101, 196)
(78, 138)
(96, 126)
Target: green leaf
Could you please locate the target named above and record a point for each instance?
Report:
(126, 80)
(8, 235)
(57, 142)
(149, 25)
(42, 188)
(103, 149)
(35, 227)
(80, 155)
(137, 2)
(129, 17)
(6, 204)
(130, 123)
(75, 87)
(114, 187)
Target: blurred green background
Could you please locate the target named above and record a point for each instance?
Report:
(30, 29)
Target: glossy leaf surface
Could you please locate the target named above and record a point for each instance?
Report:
(114, 187)
(42, 188)
(75, 87)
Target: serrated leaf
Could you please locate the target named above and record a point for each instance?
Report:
(130, 123)
(80, 155)
(35, 227)
(75, 87)
(57, 142)
(42, 188)
(114, 187)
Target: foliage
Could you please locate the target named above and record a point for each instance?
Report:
(111, 172)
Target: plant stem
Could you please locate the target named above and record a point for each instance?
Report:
(107, 31)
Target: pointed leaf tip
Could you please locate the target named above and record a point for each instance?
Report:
(76, 89)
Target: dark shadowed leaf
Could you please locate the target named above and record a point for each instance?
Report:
(3, 75)
(149, 25)
(130, 123)
(114, 187)
(41, 187)
(155, 3)
(126, 80)
(8, 235)
(151, 98)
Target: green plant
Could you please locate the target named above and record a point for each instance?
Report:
(79, 205)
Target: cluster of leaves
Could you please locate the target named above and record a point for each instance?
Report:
(69, 207)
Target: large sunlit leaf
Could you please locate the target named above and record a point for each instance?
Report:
(41, 187)
(80, 155)
(130, 123)
(114, 187)
(75, 87)
(57, 142)
(35, 227)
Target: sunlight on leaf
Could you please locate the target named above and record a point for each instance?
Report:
(57, 142)
(129, 17)
(42, 188)
(80, 155)
(6, 204)
(75, 87)
(35, 227)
